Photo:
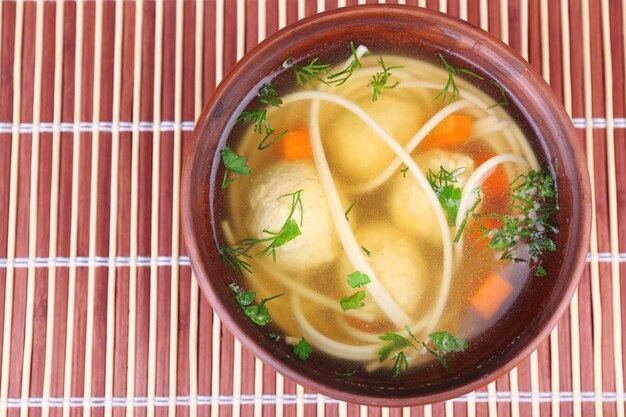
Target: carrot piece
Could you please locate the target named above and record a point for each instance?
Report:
(490, 296)
(449, 133)
(377, 326)
(496, 186)
(296, 145)
(474, 232)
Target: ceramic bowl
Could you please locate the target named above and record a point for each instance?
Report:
(407, 31)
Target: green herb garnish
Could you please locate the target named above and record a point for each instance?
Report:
(354, 301)
(367, 252)
(269, 96)
(444, 343)
(346, 374)
(233, 163)
(404, 171)
(441, 344)
(289, 231)
(349, 209)
(233, 257)
(396, 342)
(379, 80)
(449, 196)
(451, 83)
(534, 202)
(321, 72)
(468, 213)
(357, 278)
(303, 349)
(399, 361)
(505, 98)
(258, 314)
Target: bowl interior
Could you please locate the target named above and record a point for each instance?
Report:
(410, 32)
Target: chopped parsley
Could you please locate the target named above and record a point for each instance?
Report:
(443, 344)
(379, 80)
(233, 163)
(303, 349)
(449, 196)
(234, 257)
(257, 313)
(440, 345)
(354, 301)
(357, 278)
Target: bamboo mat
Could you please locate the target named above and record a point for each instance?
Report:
(100, 314)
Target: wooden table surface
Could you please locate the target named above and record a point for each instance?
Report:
(100, 314)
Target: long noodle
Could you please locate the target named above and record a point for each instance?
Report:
(328, 345)
(295, 286)
(351, 247)
(411, 145)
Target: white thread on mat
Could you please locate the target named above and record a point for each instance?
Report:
(144, 261)
(244, 399)
(187, 126)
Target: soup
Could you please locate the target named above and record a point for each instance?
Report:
(384, 211)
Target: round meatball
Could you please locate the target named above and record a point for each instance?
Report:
(397, 262)
(354, 149)
(269, 207)
(410, 208)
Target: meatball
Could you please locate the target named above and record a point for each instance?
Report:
(354, 149)
(397, 262)
(410, 208)
(318, 244)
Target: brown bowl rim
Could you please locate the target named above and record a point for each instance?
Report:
(232, 321)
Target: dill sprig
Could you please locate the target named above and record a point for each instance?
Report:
(534, 202)
(379, 80)
(505, 99)
(321, 72)
(268, 96)
(235, 258)
(311, 71)
(451, 83)
(342, 76)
